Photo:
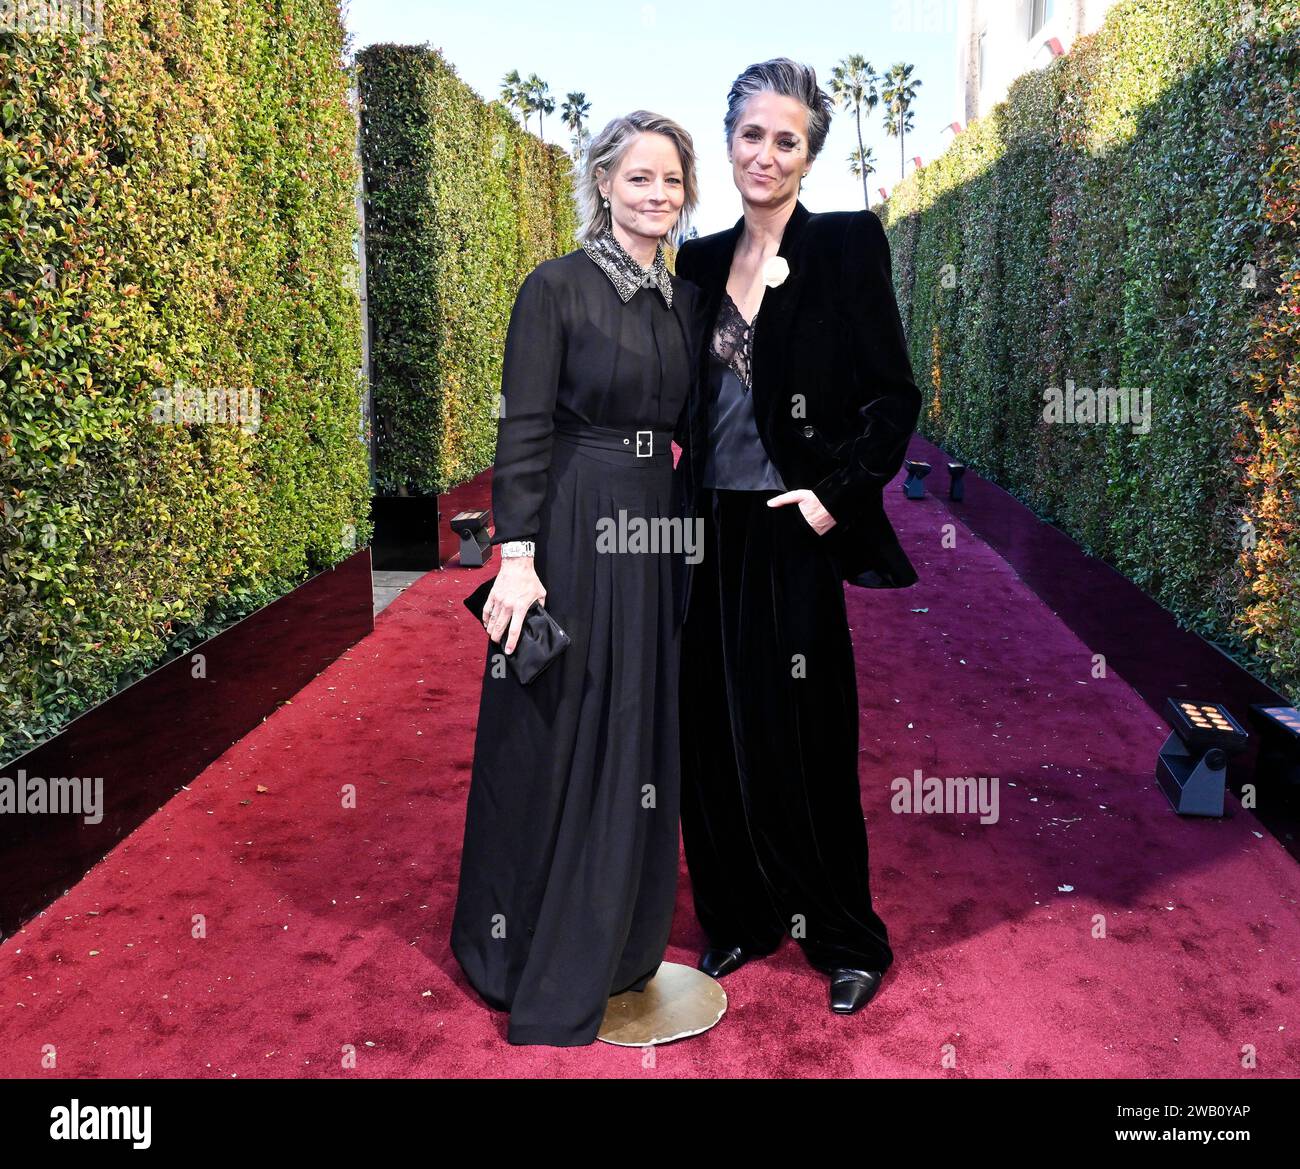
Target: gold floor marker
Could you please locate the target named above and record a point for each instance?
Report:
(679, 1001)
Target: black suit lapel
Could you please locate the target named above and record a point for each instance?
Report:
(772, 326)
(711, 276)
(770, 331)
(717, 267)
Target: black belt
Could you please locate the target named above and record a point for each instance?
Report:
(642, 444)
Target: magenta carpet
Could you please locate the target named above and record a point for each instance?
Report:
(292, 906)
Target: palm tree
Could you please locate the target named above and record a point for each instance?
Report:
(899, 93)
(862, 163)
(897, 126)
(514, 95)
(581, 143)
(539, 100)
(576, 107)
(853, 85)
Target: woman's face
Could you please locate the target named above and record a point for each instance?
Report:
(648, 189)
(769, 149)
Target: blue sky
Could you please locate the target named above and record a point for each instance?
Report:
(679, 59)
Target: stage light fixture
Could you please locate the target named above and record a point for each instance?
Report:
(471, 527)
(914, 485)
(1192, 766)
(1279, 743)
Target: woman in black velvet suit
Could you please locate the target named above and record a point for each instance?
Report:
(805, 404)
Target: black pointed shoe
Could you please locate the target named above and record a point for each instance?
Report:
(851, 990)
(717, 962)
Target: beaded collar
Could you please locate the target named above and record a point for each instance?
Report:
(627, 275)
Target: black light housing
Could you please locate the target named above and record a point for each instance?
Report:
(472, 528)
(1192, 767)
(913, 485)
(956, 482)
(1279, 743)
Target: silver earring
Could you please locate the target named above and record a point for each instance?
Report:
(606, 202)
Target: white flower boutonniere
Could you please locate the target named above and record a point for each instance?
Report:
(775, 271)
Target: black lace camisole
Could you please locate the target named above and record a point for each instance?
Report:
(735, 458)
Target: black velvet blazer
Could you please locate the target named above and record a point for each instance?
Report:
(834, 395)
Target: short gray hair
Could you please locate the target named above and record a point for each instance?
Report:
(606, 153)
(789, 79)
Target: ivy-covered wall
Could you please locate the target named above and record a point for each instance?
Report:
(1128, 219)
(461, 204)
(177, 213)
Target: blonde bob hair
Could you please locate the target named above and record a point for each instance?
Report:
(606, 154)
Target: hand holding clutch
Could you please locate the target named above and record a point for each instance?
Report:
(541, 640)
(514, 589)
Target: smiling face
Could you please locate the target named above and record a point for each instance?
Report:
(647, 191)
(769, 149)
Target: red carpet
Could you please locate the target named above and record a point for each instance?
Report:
(325, 926)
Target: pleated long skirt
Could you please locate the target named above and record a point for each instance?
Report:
(772, 821)
(569, 867)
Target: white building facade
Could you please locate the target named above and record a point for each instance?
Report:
(998, 40)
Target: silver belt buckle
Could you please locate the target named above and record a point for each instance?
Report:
(650, 443)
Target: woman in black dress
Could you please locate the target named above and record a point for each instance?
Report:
(569, 869)
(808, 405)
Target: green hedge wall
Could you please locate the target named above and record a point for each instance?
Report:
(461, 204)
(177, 209)
(1128, 217)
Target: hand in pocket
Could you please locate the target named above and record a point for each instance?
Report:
(819, 519)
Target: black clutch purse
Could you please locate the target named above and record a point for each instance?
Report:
(541, 640)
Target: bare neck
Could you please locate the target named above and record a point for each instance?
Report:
(763, 229)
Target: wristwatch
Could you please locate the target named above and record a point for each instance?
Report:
(516, 548)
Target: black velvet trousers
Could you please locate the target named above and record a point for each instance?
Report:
(771, 816)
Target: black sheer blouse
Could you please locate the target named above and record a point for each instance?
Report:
(735, 458)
